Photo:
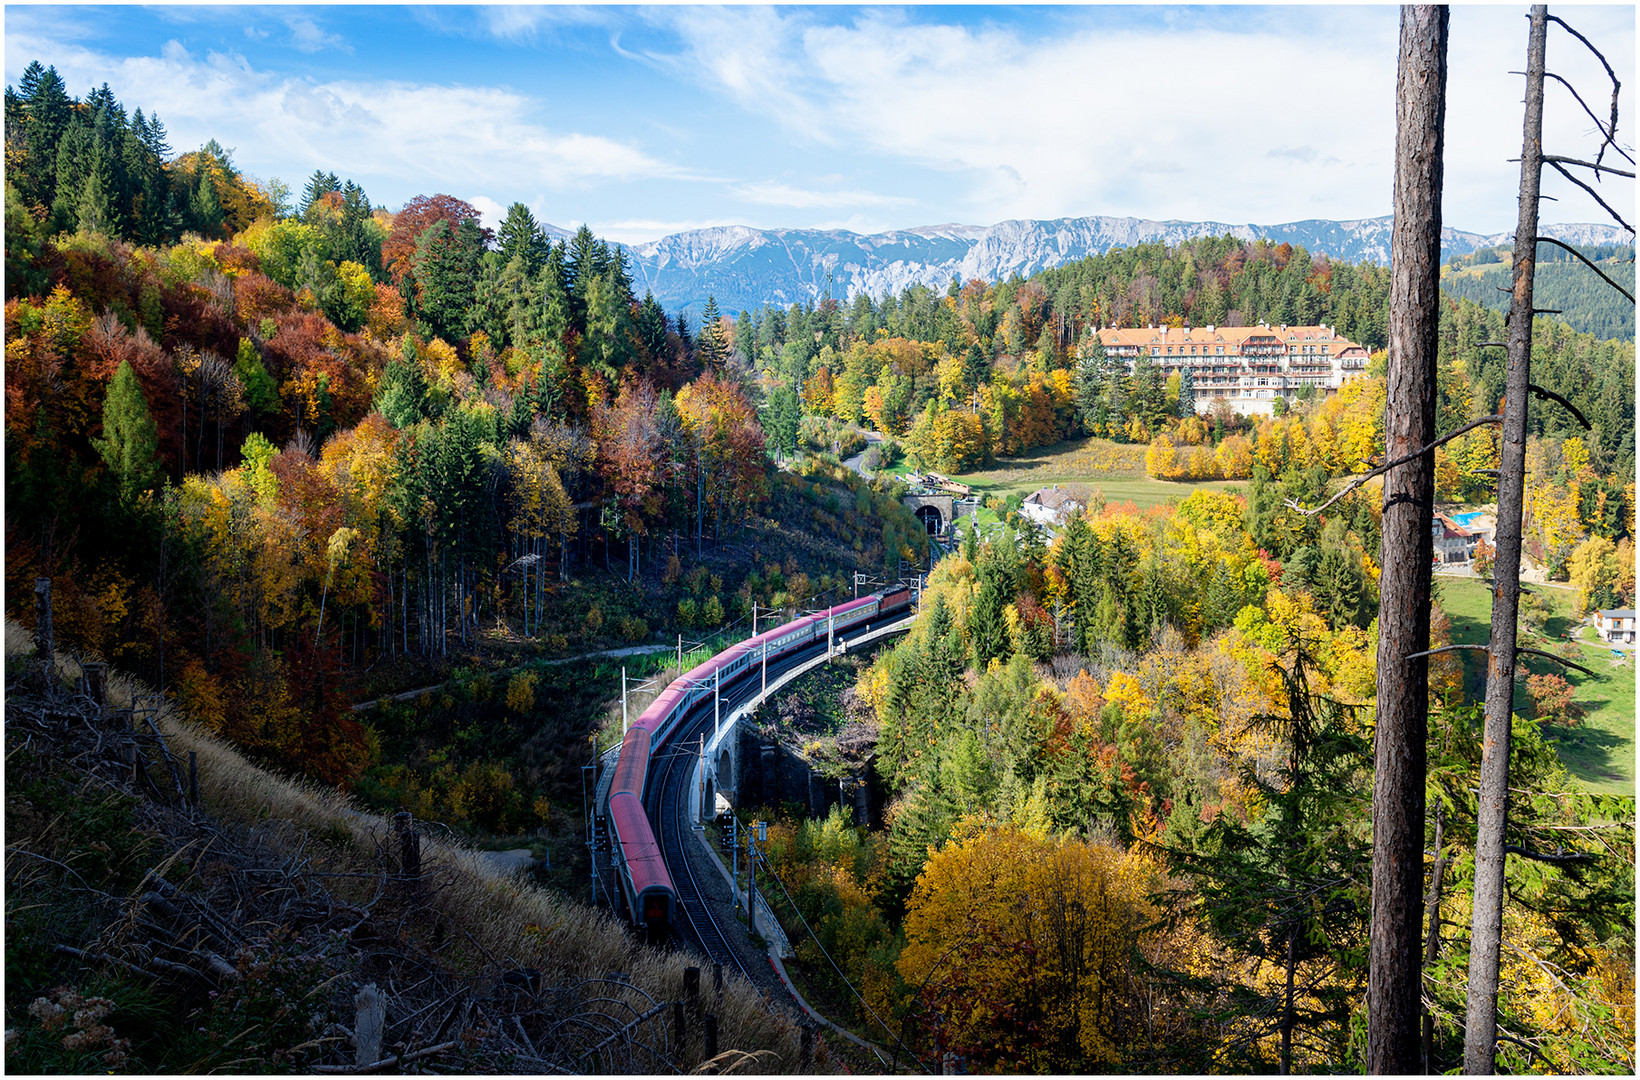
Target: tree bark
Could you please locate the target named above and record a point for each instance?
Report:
(1481, 1024)
(1395, 972)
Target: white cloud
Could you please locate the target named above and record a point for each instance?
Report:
(427, 135)
(306, 36)
(490, 213)
(1269, 121)
(775, 194)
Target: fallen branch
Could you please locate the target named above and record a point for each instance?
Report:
(388, 1062)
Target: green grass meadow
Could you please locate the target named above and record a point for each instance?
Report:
(1115, 469)
(1599, 751)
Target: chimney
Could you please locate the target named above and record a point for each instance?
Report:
(1210, 328)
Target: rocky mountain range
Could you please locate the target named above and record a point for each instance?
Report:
(745, 268)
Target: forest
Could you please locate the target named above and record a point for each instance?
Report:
(284, 451)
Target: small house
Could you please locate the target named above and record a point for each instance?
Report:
(1615, 625)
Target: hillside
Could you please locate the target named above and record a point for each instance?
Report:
(148, 930)
(1585, 303)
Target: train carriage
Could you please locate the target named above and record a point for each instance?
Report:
(646, 886)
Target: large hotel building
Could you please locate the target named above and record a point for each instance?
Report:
(1248, 366)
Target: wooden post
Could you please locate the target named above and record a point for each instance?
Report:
(711, 1036)
(717, 980)
(370, 1020)
(691, 987)
(409, 846)
(96, 684)
(679, 1030)
(1394, 981)
(45, 648)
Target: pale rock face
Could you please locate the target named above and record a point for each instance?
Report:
(745, 268)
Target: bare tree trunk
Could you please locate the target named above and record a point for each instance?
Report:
(1481, 1025)
(1395, 973)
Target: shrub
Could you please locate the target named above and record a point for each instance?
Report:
(711, 613)
(686, 612)
(633, 628)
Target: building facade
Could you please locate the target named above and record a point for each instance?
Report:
(1615, 625)
(1249, 367)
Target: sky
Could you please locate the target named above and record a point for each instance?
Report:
(646, 121)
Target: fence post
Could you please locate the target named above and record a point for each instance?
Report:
(409, 846)
(96, 684)
(717, 980)
(370, 1018)
(711, 1037)
(691, 988)
(679, 1030)
(45, 648)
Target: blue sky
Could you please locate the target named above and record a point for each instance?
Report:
(642, 121)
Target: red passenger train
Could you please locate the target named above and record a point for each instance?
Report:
(646, 887)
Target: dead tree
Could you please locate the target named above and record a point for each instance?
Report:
(1480, 1027)
(1395, 973)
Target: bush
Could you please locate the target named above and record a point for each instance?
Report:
(633, 628)
(686, 613)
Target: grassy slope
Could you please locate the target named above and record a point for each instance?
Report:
(1115, 469)
(1600, 753)
(502, 915)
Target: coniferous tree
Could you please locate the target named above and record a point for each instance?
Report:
(710, 348)
(130, 441)
(1289, 887)
(520, 236)
(402, 395)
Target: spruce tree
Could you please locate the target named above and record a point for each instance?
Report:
(710, 349)
(130, 441)
(402, 395)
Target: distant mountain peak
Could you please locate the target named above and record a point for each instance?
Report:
(745, 268)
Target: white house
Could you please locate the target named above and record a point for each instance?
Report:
(1615, 625)
(1049, 506)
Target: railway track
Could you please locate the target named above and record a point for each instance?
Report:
(710, 921)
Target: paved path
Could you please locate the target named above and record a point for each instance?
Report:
(872, 439)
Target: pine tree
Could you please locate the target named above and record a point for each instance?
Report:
(318, 186)
(402, 394)
(521, 236)
(710, 349)
(130, 441)
(204, 205)
(260, 392)
(1290, 887)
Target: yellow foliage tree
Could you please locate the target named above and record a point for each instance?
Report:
(1024, 947)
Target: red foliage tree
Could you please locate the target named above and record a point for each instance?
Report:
(419, 215)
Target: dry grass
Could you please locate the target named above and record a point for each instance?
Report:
(509, 922)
